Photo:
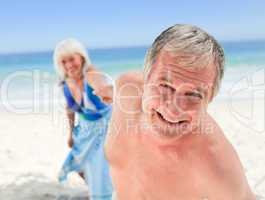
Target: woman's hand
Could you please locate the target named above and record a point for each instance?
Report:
(70, 142)
(71, 120)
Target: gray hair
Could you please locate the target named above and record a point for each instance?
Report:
(194, 45)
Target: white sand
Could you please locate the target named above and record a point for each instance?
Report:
(32, 150)
(33, 147)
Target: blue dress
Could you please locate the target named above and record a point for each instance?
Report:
(87, 154)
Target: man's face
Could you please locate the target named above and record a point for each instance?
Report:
(176, 97)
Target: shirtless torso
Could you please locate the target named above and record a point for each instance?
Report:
(193, 167)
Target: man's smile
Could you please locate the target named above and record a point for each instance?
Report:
(169, 122)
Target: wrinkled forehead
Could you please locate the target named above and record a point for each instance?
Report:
(169, 68)
(176, 68)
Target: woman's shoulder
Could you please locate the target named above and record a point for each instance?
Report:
(68, 83)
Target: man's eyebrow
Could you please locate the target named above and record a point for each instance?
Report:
(165, 79)
(200, 89)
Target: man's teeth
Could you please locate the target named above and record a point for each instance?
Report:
(171, 121)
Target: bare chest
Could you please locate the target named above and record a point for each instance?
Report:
(148, 173)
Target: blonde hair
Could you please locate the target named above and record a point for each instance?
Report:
(67, 47)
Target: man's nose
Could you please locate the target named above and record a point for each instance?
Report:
(173, 107)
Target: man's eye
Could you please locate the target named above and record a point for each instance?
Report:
(166, 86)
(194, 94)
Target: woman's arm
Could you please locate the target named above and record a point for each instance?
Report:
(71, 120)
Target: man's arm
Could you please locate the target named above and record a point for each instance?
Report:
(126, 112)
(127, 105)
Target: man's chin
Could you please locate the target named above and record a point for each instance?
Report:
(173, 133)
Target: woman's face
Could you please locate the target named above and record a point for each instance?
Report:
(72, 65)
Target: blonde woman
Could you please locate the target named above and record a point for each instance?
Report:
(80, 83)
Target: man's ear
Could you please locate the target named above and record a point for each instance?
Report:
(211, 96)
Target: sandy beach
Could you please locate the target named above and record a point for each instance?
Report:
(32, 150)
(33, 147)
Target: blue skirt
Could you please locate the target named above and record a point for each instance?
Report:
(87, 156)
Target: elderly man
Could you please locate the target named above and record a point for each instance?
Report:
(162, 143)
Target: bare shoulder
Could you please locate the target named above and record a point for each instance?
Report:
(227, 162)
(72, 86)
(222, 151)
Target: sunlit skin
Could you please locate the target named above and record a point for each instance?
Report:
(163, 145)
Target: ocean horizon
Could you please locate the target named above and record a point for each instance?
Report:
(17, 70)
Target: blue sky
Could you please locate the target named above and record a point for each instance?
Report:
(32, 25)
